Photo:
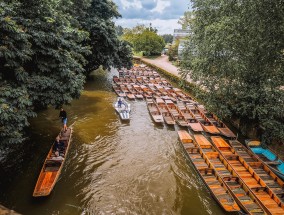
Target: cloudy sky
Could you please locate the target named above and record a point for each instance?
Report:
(163, 14)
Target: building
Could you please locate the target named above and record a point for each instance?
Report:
(180, 34)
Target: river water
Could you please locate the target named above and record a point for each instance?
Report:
(112, 167)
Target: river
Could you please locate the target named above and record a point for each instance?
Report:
(112, 167)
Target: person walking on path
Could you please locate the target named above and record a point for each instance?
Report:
(63, 116)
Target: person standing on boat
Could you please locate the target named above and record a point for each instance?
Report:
(119, 102)
(63, 116)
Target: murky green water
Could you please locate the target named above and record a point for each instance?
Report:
(112, 167)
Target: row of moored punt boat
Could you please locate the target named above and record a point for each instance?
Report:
(238, 179)
(167, 104)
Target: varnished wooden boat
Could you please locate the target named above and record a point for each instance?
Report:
(268, 156)
(269, 201)
(213, 182)
(178, 117)
(225, 131)
(274, 182)
(165, 112)
(236, 186)
(200, 117)
(154, 111)
(51, 169)
(190, 119)
(118, 92)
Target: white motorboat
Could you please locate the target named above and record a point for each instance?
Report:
(122, 108)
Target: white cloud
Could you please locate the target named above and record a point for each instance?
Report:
(161, 5)
(131, 4)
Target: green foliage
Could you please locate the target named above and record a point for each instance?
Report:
(173, 51)
(236, 55)
(168, 38)
(144, 39)
(186, 20)
(106, 48)
(45, 47)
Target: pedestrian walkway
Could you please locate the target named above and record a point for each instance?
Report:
(164, 63)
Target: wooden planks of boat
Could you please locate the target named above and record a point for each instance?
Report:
(202, 119)
(178, 117)
(270, 202)
(52, 166)
(274, 182)
(236, 186)
(165, 112)
(130, 96)
(118, 91)
(209, 176)
(225, 131)
(189, 118)
(268, 156)
(154, 111)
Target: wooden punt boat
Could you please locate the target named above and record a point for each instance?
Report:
(268, 156)
(118, 91)
(130, 96)
(274, 182)
(51, 169)
(165, 112)
(191, 121)
(270, 202)
(124, 88)
(225, 131)
(209, 176)
(236, 186)
(200, 116)
(178, 117)
(116, 80)
(154, 111)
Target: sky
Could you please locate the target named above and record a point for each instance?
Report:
(163, 14)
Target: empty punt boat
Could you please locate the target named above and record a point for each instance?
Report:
(165, 112)
(200, 116)
(271, 179)
(268, 156)
(212, 181)
(154, 111)
(52, 166)
(225, 131)
(238, 189)
(189, 117)
(177, 116)
(271, 202)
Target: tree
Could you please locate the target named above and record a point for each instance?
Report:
(236, 54)
(144, 40)
(119, 30)
(103, 40)
(168, 38)
(45, 47)
(173, 51)
(186, 20)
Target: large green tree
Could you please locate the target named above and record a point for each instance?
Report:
(236, 55)
(45, 47)
(106, 47)
(144, 39)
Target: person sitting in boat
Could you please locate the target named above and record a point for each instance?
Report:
(58, 145)
(119, 102)
(57, 157)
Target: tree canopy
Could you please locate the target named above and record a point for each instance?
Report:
(144, 40)
(236, 54)
(168, 38)
(46, 50)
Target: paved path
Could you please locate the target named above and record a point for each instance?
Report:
(164, 63)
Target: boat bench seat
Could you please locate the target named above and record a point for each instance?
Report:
(259, 188)
(50, 162)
